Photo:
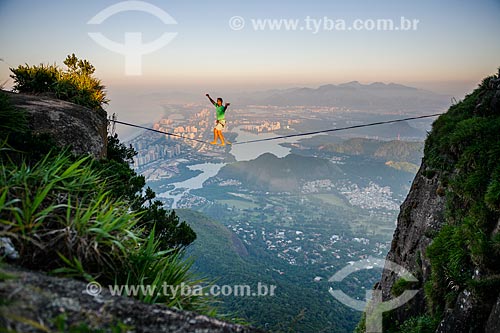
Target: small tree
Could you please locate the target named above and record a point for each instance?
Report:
(124, 182)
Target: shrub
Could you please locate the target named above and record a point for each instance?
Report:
(492, 196)
(148, 265)
(422, 324)
(465, 146)
(82, 217)
(76, 84)
(59, 208)
(124, 182)
(61, 217)
(16, 141)
(35, 79)
(400, 286)
(12, 120)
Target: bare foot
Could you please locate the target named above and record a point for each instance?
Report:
(213, 142)
(222, 144)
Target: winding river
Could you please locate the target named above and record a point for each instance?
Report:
(245, 152)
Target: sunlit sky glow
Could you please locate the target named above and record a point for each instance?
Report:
(456, 43)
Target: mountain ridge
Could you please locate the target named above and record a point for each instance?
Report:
(280, 174)
(448, 228)
(375, 96)
(278, 96)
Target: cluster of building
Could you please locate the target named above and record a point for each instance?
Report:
(185, 131)
(161, 170)
(148, 154)
(229, 182)
(297, 247)
(317, 186)
(372, 196)
(171, 146)
(337, 160)
(265, 126)
(189, 200)
(196, 122)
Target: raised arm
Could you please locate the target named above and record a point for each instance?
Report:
(226, 106)
(211, 100)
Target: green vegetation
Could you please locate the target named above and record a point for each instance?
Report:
(11, 119)
(217, 250)
(126, 183)
(395, 150)
(86, 218)
(238, 203)
(309, 306)
(462, 150)
(400, 286)
(63, 326)
(14, 132)
(404, 166)
(3, 275)
(280, 174)
(61, 217)
(58, 208)
(214, 236)
(150, 266)
(464, 146)
(332, 199)
(76, 84)
(422, 324)
(256, 218)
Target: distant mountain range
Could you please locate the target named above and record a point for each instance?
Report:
(376, 96)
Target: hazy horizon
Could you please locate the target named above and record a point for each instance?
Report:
(453, 88)
(449, 51)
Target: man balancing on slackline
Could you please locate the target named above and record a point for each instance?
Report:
(220, 123)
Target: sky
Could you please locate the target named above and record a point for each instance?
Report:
(453, 46)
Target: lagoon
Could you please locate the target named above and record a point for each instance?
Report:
(244, 152)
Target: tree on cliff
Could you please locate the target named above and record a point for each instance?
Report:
(79, 216)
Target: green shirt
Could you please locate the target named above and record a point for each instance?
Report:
(221, 111)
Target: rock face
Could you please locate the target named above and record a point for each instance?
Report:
(493, 322)
(84, 129)
(30, 297)
(36, 302)
(421, 218)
